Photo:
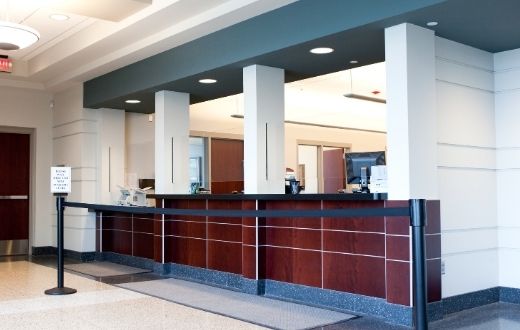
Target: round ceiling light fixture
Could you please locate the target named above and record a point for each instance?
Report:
(354, 62)
(321, 50)
(16, 36)
(59, 17)
(133, 101)
(432, 23)
(208, 81)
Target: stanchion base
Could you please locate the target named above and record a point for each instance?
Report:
(60, 291)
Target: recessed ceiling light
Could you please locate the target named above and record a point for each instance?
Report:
(354, 62)
(59, 17)
(322, 50)
(432, 23)
(208, 81)
(133, 101)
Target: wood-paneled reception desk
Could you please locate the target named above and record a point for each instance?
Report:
(292, 257)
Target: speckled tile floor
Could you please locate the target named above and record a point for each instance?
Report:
(23, 305)
(99, 305)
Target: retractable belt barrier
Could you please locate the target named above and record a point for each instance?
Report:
(416, 211)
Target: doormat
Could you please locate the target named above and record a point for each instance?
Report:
(272, 313)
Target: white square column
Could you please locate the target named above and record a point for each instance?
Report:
(172, 130)
(412, 116)
(264, 132)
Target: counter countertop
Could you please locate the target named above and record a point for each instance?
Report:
(300, 197)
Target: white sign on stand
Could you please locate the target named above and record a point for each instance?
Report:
(60, 180)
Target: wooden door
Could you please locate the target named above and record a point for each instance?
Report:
(333, 170)
(227, 166)
(14, 193)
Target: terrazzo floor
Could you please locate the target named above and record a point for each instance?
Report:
(23, 305)
(100, 305)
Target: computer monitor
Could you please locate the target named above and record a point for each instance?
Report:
(358, 167)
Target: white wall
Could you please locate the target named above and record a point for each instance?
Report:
(30, 109)
(466, 167)
(65, 134)
(507, 121)
(308, 156)
(82, 138)
(75, 144)
(110, 154)
(140, 147)
(358, 140)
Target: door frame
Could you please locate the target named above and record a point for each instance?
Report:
(320, 145)
(32, 178)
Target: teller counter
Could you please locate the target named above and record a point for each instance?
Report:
(296, 257)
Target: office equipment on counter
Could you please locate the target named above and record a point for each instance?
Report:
(378, 179)
(133, 196)
(194, 188)
(203, 190)
(295, 187)
(292, 186)
(139, 197)
(124, 197)
(358, 166)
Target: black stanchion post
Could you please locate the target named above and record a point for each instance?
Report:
(418, 222)
(60, 289)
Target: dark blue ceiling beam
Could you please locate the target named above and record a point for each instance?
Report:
(285, 27)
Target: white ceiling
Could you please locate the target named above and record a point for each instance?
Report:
(317, 100)
(81, 13)
(103, 35)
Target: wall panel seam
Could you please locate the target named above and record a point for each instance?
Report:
(488, 91)
(452, 254)
(72, 134)
(508, 148)
(463, 64)
(509, 248)
(444, 167)
(507, 90)
(449, 231)
(510, 69)
(74, 121)
(468, 146)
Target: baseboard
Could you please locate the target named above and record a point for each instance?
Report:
(51, 250)
(510, 295)
(469, 300)
(340, 301)
(43, 250)
(216, 278)
(138, 262)
(479, 298)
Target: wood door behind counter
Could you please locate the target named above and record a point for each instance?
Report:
(227, 166)
(333, 170)
(14, 193)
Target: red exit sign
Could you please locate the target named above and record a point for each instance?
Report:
(6, 65)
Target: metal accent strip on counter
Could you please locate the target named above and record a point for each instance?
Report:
(366, 212)
(15, 197)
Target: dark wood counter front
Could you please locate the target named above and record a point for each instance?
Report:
(361, 255)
